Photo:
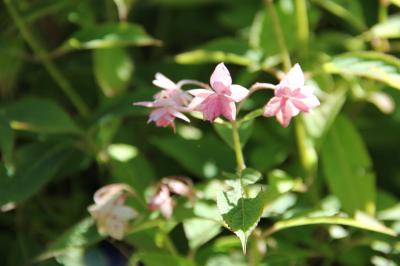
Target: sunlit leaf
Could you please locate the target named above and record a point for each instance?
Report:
(387, 29)
(107, 36)
(39, 115)
(373, 65)
(221, 50)
(348, 168)
(113, 69)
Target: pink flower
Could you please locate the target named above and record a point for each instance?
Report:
(221, 100)
(169, 103)
(291, 97)
(163, 200)
(109, 211)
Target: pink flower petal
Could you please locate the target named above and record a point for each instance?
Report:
(229, 110)
(272, 107)
(163, 82)
(220, 79)
(238, 93)
(145, 104)
(180, 116)
(294, 78)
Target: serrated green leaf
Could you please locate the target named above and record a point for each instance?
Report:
(225, 132)
(373, 65)
(113, 69)
(240, 214)
(107, 36)
(348, 168)
(39, 115)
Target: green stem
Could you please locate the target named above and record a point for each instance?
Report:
(238, 149)
(40, 52)
(303, 33)
(383, 10)
(279, 35)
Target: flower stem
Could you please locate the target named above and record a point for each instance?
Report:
(303, 32)
(40, 52)
(238, 149)
(279, 35)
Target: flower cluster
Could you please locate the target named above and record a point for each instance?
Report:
(219, 99)
(162, 200)
(109, 211)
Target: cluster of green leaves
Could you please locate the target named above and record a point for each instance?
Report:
(324, 192)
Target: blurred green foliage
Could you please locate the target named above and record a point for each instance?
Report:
(70, 70)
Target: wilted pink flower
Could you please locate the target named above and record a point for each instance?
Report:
(163, 201)
(291, 97)
(221, 100)
(169, 103)
(109, 211)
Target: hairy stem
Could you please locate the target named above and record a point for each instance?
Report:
(40, 52)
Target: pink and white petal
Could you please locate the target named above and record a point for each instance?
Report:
(200, 92)
(180, 116)
(294, 78)
(157, 114)
(229, 110)
(167, 208)
(163, 82)
(145, 104)
(238, 93)
(124, 212)
(220, 79)
(272, 107)
(195, 103)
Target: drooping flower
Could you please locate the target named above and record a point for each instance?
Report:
(291, 97)
(168, 104)
(109, 211)
(221, 100)
(162, 200)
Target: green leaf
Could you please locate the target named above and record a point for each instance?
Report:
(6, 143)
(113, 69)
(205, 157)
(250, 176)
(349, 11)
(387, 29)
(281, 182)
(79, 236)
(221, 50)
(107, 36)
(361, 222)
(348, 168)
(318, 122)
(241, 215)
(225, 132)
(10, 65)
(37, 164)
(157, 259)
(39, 115)
(373, 65)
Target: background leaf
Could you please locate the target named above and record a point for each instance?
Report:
(347, 168)
(40, 115)
(113, 69)
(372, 65)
